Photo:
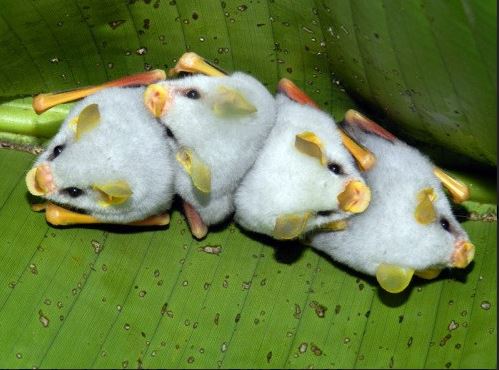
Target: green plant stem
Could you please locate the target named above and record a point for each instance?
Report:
(17, 117)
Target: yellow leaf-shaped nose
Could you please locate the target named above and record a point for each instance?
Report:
(157, 99)
(355, 198)
(39, 180)
(463, 254)
(32, 184)
(392, 278)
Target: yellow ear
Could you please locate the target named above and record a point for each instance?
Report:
(392, 278)
(113, 193)
(200, 172)
(425, 211)
(88, 119)
(310, 144)
(230, 102)
(290, 226)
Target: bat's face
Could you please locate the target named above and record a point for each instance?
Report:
(109, 160)
(409, 226)
(303, 179)
(415, 225)
(218, 122)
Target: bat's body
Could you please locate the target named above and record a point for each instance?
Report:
(296, 181)
(408, 227)
(110, 160)
(217, 125)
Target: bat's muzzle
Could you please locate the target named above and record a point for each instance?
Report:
(40, 181)
(463, 254)
(355, 198)
(157, 99)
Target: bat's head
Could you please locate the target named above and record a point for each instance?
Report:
(216, 125)
(303, 179)
(409, 228)
(109, 160)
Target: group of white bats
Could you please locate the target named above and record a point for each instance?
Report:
(281, 166)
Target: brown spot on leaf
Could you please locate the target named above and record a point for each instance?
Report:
(297, 313)
(43, 319)
(316, 350)
(211, 249)
(444, 340)
(319, 309)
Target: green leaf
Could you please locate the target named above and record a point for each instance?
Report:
(17, 117)
(121, 297)
(101, 297)
(427, 66)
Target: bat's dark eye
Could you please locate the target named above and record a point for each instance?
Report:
(58, 150)
(73, 192)
(192, 94)
(169, 133)
(445, 224)
(335, 168)
(55, 153)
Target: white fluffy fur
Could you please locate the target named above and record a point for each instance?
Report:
(228, 145)
(387, 232)
(283, 180)
(128, 144)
